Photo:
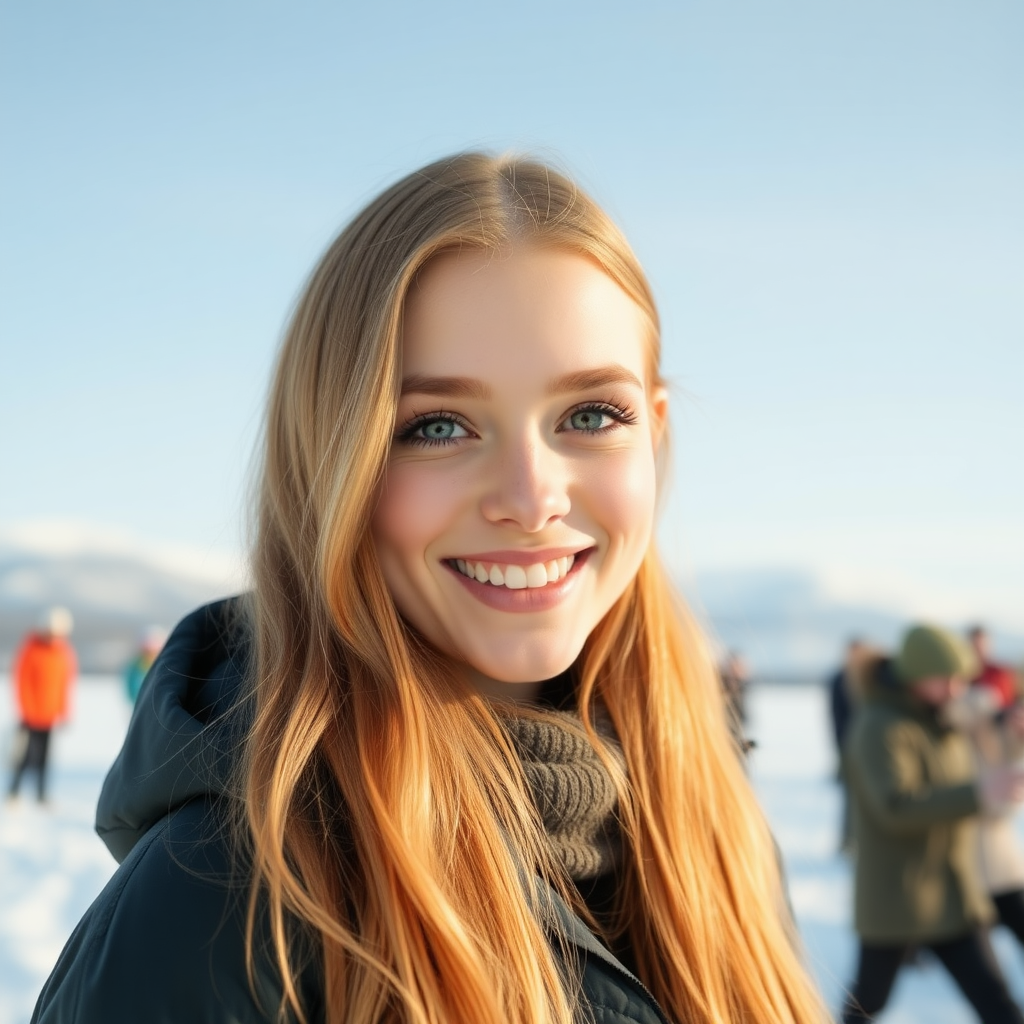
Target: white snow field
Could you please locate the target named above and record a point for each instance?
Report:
(52, 864)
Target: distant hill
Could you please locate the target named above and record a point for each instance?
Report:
(786, 622)
(789, 626)
(113, 594)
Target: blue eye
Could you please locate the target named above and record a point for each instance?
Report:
(432, 430)
(589, 419)
(439, 430)
(596, 418)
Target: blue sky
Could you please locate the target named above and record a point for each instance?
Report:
(828, 196)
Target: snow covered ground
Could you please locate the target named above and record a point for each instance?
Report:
(52, 864)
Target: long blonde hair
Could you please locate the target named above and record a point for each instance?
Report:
(384, 810)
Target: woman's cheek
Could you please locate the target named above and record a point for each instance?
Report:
(416, 505)
(621, 495)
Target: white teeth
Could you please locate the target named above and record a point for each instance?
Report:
(535, 576)
(517, 577)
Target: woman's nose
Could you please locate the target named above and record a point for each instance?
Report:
(529, 488)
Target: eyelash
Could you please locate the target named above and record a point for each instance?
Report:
(623, 416)
(406, 434)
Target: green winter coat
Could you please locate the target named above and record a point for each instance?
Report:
(914, 804)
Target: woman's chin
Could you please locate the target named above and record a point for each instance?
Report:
(517, 673)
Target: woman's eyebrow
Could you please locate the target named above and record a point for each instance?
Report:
(599, 377)
(470, 387)
(445, 387)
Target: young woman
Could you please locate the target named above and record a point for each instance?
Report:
(461, 756)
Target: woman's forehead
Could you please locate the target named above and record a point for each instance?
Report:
(533, 311)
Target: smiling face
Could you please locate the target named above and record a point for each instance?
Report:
(519, 496)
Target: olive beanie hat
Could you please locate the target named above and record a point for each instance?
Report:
(930, 651)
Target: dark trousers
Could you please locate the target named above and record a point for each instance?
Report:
(1010, 907)
(969, 960)
(36, 744)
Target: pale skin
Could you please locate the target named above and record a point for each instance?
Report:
(526, 440)
(937, 691)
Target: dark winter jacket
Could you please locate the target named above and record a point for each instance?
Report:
(164, 941)
(842, 706)
(915, 804)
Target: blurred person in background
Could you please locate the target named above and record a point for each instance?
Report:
(995, 727)
(153, 641)
(916, 796)
(735, 675)
(44, 671)
(843, 699)
(991, 675)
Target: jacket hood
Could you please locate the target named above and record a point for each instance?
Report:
(882, 684)
(181, 739)
(874, 676)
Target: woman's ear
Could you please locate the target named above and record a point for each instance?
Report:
(658, 406)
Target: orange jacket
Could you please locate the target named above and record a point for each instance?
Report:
(44, 670)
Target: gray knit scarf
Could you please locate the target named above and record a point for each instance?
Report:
(573, 791)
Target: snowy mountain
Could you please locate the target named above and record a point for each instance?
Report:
(114, 589)
(788, 623)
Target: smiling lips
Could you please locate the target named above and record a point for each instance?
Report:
(507, 582)
(516, 577)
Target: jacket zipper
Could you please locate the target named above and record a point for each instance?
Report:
(633, 981)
